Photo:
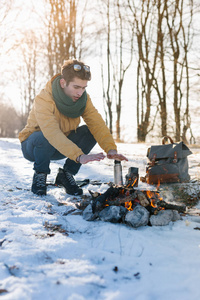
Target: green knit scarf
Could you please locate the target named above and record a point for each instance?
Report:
(65, 104)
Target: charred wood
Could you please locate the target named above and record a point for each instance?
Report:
(111, 197)
(181, 208)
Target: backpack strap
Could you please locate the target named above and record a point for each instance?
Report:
(165, 138)
(153, 160)
(175, 157)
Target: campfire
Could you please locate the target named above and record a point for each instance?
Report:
(128, 204)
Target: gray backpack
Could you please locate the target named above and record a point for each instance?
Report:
(167, 163)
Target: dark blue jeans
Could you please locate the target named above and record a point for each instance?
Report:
(37, 149)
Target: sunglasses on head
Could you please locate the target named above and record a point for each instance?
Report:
(78, 67)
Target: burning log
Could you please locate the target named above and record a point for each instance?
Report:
(181, 208)
(132, 206)
(129, 198)
(120, 200)
(159, 204)
(99, 202)
(113, 196)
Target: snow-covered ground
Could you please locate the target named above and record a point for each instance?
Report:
(80, 260)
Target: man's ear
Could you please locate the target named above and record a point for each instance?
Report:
(62, 83)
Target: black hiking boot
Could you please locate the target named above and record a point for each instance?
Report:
(39, 184)
(66, 180)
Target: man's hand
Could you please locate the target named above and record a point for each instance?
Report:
(112, 154)
(85, 158)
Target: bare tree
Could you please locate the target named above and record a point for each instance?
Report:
(61, 32)
(164, 38)
(124, 36)
(106, 84)
(159, 81)
(31, 71)
(118, 33)
(179, 30)
(144, 16)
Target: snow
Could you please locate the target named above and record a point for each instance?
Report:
(89, 260)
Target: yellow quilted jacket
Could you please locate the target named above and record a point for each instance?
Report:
(56, 127)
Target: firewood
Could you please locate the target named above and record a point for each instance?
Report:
(99, 202)
(181, 208)
(119, 200)
(142, 198)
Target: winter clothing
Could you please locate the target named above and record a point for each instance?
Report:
(39, 184)
(66, 180)
(37, 149)
(65, 104)
(56, 127)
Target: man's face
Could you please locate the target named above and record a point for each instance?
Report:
(75, 89)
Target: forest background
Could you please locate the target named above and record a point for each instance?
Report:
(144, 58)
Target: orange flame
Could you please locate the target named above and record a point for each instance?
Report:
(130, 183)
(129, 205)
(153, 196)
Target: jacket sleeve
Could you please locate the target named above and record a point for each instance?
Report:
(44, 112)
(98, 127)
